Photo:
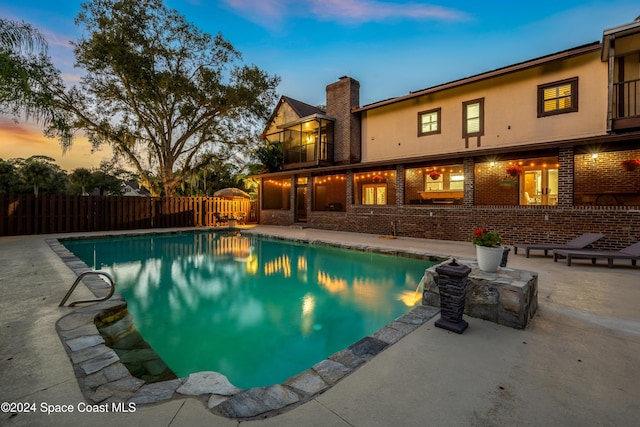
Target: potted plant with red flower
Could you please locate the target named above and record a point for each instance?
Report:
(514, 171)
(488, 249)
(510, 180)
(631, 164)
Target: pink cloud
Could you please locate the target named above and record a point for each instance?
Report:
(261, 11)
(371, 10)
(265, 12)
(62, 41)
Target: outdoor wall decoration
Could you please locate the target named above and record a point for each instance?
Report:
(507, 184)
(514, 171)
(630, 165)
(434, 175)
(510, 180)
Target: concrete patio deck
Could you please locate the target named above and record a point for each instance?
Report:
(577, 364)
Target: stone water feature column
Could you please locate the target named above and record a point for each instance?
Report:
(452, 285)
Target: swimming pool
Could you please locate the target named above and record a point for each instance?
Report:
(257, 310)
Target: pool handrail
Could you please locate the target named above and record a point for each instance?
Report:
(112, 289)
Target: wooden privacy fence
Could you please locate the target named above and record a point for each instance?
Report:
(26, 214)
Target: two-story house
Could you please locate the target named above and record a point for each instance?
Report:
(541, 151)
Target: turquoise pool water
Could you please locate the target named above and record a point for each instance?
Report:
(257, 310)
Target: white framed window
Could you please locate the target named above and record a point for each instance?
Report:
(473, 118)
(429, 122)
(456, 181)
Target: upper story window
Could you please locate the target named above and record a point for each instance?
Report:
(473, 118)
(558, 97)
(429, 122)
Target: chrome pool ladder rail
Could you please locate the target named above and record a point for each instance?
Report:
(112, 289)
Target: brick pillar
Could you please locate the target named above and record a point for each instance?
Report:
(469, 193)
(399, 185)
(292, 200)
(565, 176)
(310, 206)
(349, 189)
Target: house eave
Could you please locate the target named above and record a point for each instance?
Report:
(306, 119)
(459, 155)
(580, 50)
(617, 32)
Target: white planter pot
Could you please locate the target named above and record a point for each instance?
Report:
(489, 258)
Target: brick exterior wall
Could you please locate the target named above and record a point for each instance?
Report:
(487, 180)
(342, 97)
(495, 210)
(531, 224)
(414, 182)
(276, 217)
(284, 216)
(606, 175)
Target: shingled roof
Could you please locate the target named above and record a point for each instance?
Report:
(301, 108)
(586, 48)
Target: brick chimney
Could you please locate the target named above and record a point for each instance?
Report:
(342, 97)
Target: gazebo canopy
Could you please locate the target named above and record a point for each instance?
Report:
(231, 193)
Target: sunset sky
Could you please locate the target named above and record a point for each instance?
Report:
(391, 47)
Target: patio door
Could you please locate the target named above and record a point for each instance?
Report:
(540, 187)
(374, 194)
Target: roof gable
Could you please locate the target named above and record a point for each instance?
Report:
(289, 110)
(302, 108)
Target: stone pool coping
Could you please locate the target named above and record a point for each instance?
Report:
(103, 378)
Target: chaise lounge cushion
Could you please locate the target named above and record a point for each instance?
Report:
(630, 252)
(579, 242)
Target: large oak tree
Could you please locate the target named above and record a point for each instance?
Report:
(161, 92)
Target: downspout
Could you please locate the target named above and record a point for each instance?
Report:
(610, 84)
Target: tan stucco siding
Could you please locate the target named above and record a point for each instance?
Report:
(510, 113)
(284, 114)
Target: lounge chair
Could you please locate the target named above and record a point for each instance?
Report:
(579, 242)
(630, 252)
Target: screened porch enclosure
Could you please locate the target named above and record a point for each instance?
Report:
(306, 142)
